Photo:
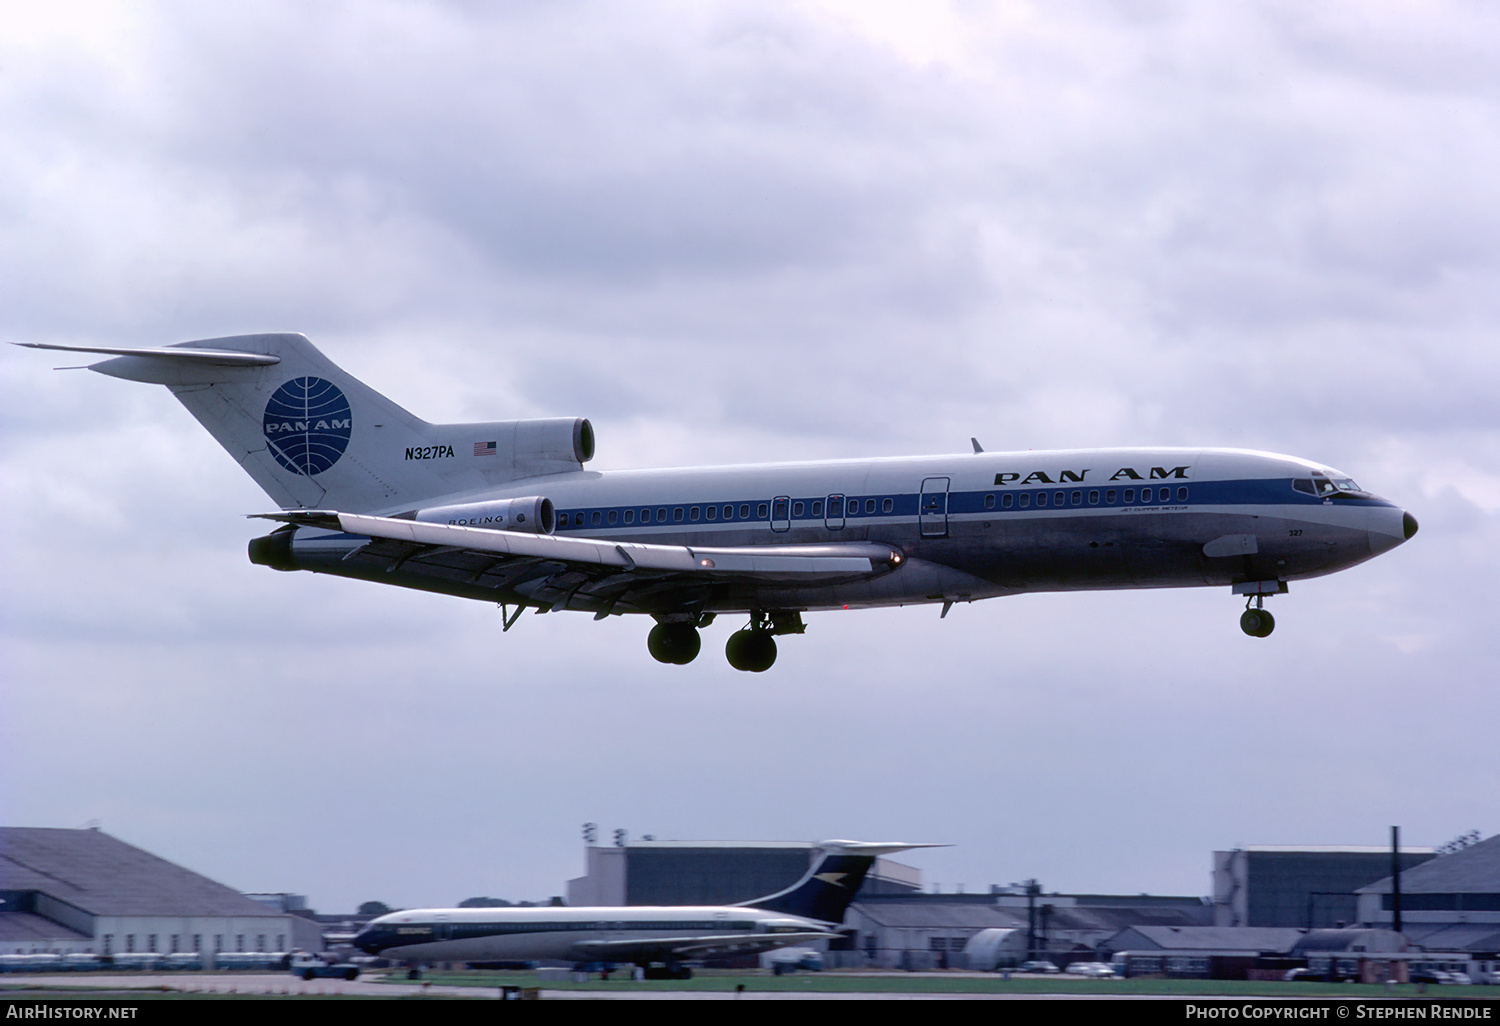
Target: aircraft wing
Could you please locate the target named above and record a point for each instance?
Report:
(551, 572)
(696, 947)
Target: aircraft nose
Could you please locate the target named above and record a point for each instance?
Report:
(1386, 533)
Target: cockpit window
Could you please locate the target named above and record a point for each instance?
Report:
(1323, 486)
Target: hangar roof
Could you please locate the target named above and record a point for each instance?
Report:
(1207, 938)
(103, 875)
(1475, 869)
(28, 928)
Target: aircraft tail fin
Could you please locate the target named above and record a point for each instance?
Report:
(314, 436)
(826, 890)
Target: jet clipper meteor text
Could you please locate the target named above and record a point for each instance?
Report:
(505, 511)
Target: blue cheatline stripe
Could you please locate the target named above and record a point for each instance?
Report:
(904, 506)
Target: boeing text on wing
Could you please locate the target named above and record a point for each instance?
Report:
(659, 938)
(505, 511)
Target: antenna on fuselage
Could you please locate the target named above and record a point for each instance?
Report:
(977, 447)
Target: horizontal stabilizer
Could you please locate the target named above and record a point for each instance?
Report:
(876, 848)
(214, 357)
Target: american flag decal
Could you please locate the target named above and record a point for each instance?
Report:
(484, 448)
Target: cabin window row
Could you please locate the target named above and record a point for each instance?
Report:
(837, 507)
(1111, 497)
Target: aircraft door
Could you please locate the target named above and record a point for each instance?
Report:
(833, 516)
(781, 513)
(932, 508)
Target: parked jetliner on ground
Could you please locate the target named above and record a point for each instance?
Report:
(811, 909)
(505, 511)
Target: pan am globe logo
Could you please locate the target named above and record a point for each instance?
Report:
(307, 422)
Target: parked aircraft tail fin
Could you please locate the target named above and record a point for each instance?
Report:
(825, 892)
(314, 436)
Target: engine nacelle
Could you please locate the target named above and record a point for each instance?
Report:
(533, 514)
(561, 439)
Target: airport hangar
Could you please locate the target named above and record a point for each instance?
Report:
(83, 891)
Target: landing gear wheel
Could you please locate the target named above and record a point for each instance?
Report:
(751, 650)
(1258, 623)
(674, 643)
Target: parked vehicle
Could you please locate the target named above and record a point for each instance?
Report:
(311, 967)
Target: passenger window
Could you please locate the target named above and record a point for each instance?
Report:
(1164, 494)
(711, 512)
(1025, 499)
(797, 509)
(835, 507)
(869, 505)
(562, 520)
(594, 518)
(1093, 498)
(677, 514)
(1078, 498)
(630, 516)
(661, 515)
(817, 509)
(693, 513)
(613, 516)
(745, 511)
(1109, 496)
(762, 510)
(1006, 500)
(1145, 495)
(1059, 499)
(728, 512)
(1182, 495)
(1130, 495)
(1041, 498)
(887, 505)
(989, 502)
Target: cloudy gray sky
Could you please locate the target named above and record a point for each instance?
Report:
(734, 232)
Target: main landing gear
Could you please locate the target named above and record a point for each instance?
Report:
(674, 643)
(752, 649)
(1257, 622)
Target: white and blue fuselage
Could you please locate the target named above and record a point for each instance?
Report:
(969, 526)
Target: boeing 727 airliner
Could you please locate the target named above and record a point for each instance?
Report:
(506, 512)
(811, 909)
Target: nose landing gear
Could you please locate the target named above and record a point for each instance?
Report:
(1257, 622)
